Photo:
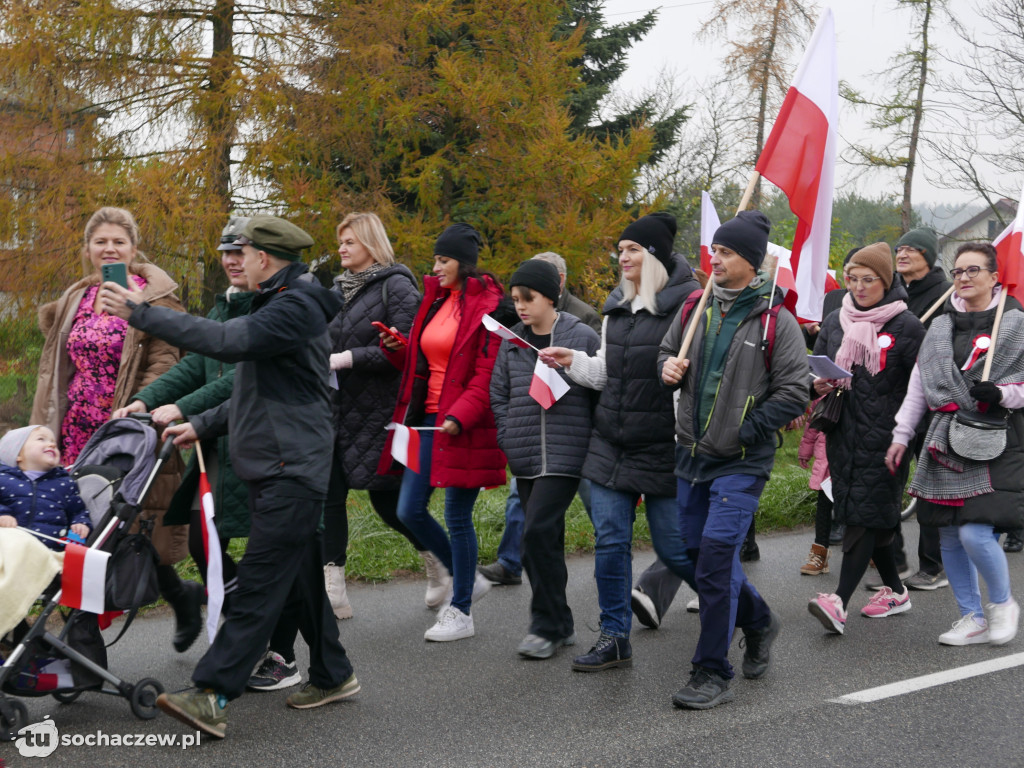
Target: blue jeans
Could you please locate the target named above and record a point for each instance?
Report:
(511, 545)
(968, 550)
(613, 512)
(457, 554)
(714, 518)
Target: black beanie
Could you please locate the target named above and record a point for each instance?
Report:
(747, 234)
(538, 276)
(460, 242)
(656, 233)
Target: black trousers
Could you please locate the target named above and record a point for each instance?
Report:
(659, 584)
(281, 564)
(545, 500)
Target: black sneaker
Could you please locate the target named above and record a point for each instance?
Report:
(1013, 542)
(835, 535)
(705, 690)
(496, 573)
(607, 652)
(273, 674)
(749, 551)
(758, 642)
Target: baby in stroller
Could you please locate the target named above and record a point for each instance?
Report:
(36, 492)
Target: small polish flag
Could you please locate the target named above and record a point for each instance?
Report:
(709, 224)
(547, 385)
(784, 272)
(214, 568)
(84, 579)
(1010, 251)
(405, 446)
(494, 326)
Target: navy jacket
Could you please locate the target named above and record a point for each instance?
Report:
(50, 504)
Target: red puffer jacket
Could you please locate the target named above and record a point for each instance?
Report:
(470, 459)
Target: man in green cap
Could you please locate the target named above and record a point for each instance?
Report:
(279, 417)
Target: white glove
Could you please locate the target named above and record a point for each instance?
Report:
(341, 360)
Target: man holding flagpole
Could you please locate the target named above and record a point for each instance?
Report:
(740, 381)
(279, 417)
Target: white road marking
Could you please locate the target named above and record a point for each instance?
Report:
(931, 681)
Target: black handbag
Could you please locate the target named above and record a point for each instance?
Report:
(131, 574)
(825, 414)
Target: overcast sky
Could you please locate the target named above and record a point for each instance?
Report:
(869, 33)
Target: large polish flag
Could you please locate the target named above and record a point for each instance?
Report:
(84, 578)
(800, 157)
(1010, 250)
(214, 567)
(709, 224)
(547, 385)
(405, 446)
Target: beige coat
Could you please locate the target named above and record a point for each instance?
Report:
(143, 360)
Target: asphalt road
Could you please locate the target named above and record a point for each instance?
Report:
(476, 703)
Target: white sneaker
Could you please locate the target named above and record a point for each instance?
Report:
(439, 581)
(481, 586)
(693, 606)
(1002, 621)
(337, 592)
(966, 631)
(452, 624)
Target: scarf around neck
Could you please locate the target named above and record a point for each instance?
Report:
(352, 282)
(860, 333)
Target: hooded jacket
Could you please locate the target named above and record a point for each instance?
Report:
(753, 399)
(279, 413)
(865, 492)
(470, 459)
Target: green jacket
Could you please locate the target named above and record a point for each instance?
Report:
(196, 384)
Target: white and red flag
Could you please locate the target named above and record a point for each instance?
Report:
(709, 224)
(497, 328)
(214, 566)
(784, 275)
(1010, 251)
(799, 157)
(405, 446)
(547, 385)
(84, 579)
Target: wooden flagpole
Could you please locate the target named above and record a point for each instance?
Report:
(995, 333)
(935, 307)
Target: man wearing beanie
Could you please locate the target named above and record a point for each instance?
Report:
(279, 417)
(926, 283)
(734, 393)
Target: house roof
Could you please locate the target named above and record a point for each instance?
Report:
(1003, 205)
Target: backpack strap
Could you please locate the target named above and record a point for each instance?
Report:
(769, 320)
(689, 303)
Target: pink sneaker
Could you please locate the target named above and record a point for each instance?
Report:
(886, 603)
(828, 609)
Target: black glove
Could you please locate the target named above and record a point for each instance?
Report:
(986, 392)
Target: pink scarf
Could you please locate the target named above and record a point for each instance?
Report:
(860, 334)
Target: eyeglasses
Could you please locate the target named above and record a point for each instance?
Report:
(867, 281)
(904, 248)
(971, 272)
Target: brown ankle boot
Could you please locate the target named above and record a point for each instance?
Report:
(817, 561)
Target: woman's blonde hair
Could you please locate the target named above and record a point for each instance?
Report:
(370, 232)
(121, 218)
(653, 277)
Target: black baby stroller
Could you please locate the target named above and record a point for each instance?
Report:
(114, 472)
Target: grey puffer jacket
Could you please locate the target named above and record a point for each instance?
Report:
(366, 394)
(536, 441)
(279, 412)
(753, 399)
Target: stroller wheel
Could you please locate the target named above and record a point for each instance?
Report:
(13, 717)
(143, 698)
(66, 697)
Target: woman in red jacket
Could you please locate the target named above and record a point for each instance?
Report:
(446, 376)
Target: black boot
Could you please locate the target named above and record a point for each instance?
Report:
(186, 598)
(749, 551)
(1014, 541)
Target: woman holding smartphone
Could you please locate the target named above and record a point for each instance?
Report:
(446, 376)
(93, 364)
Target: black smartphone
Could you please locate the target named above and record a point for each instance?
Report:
(115, 273)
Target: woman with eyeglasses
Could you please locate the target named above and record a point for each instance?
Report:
(970, 500)
(876, 338)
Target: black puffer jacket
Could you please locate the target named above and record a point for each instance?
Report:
(541, 442)
(366, 394)
(865, 493)
(1004, 507)
(632, 447)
